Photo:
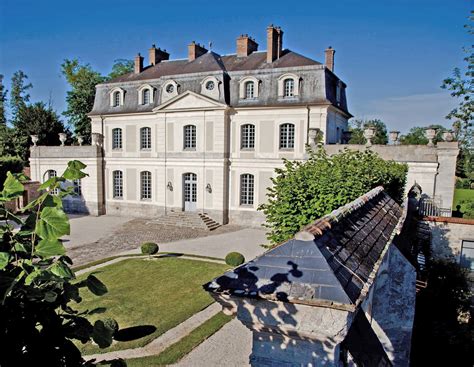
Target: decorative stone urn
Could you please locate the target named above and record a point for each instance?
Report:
(448, 135)
(393, 135)
(62, 138)
(369, 133)
(80, 140)
(430, 135)
(34, 139)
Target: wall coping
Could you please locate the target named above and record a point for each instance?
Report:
(449, 220)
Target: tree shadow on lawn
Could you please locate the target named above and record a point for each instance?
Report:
(134, 332)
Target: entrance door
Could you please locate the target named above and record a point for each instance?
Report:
(190, 192)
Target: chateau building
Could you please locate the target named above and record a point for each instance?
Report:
(205, 133)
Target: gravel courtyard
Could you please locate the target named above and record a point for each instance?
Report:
(94, 238)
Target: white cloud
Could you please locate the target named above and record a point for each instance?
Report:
(402, 113)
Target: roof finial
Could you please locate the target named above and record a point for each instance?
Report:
(210, 45)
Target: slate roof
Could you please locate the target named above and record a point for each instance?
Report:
(211, 61)
(333, 266)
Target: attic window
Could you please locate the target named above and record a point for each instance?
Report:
(116, 97)
(170, 88)
(210, 85)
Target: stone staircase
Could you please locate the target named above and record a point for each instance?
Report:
(187, 219)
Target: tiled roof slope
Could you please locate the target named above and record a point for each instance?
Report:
(334, 269)
(210, 62)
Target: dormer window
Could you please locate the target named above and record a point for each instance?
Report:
(145, 94)
(249, 88)
(288, 86)
(169, 90)
(117, 97)
(210, 87)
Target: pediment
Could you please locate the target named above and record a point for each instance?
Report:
(189, 101)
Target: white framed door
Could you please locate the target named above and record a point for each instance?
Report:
(190, 192)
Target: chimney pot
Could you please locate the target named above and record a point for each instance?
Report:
(274, 43)
(329, 58)
(138, 64)
(156, 55)
(245, 45)
(195, 50)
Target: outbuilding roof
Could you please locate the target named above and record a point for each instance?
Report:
(332, 262)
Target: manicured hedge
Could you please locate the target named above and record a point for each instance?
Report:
(234, 259)
(149, 248)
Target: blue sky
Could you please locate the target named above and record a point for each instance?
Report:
(392, 54)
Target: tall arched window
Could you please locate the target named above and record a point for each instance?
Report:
(77, 187)
(145, 138)
(50, 174)
(116, 99)
(117, 184)
(145, 185)
(288, 87)
(247, 136)
(249, 90)
(189, 135)
(246, 189)
(287, 136)
(117, 138)
(146, 96)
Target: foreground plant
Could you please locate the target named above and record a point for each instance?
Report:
(37, 290)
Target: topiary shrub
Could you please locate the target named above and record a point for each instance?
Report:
(234, 259)
(149, 248)
(111, 324)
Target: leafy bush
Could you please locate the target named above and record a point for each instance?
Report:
(9, 164)
(305, 191)
(149, 248)
(463, 183)
(234, 259)
(37, 323)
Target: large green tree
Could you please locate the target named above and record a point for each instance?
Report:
(82, 80)
(19, 96)
(121, 67)
(305, 191)
(3, 101)
(357, 127)
(417, 135)
(36, 119)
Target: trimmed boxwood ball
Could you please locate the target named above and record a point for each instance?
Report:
(149, 248)
(111, 324)
(234, 259)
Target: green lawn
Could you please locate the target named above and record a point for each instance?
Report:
(461, 195)
(159, 293)
(178, 350)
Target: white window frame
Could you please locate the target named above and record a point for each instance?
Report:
(117, 141)
(214, 93)
(141, 94)
(242, 87)
(281, 85)
(112, 94)
(165, 96)
(145, 185)
(247, 137)
(117, 184)
(189, 137)
(286, 136)
(145, 138)
(50, 173)
(77, 184)
(247, 189)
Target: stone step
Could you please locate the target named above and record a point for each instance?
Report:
(187, 219)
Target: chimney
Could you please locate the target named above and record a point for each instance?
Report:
(246, 45)
(274, 43)
(157, 54)
(138, 64)
(195, 50)
(329, 62)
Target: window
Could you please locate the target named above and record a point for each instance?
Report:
(287, 136)
(170, 88)
(288, 88)
(190, 137)
(247, 136)
(249, 90)
(146, 96)
(117, 138)
(116, 99)
(338, 92)
(246, 189)
(77, 187)
(145, 185)
(48, 175)
(145, 138)
(467, 255)
(117, 184)
(210, 85)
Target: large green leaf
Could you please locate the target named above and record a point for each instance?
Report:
(62, 271)
(73, 171)
(102, 335)
(96, 286)
(4, 257)
(12, 187)
(52, 224)
(48, 248)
